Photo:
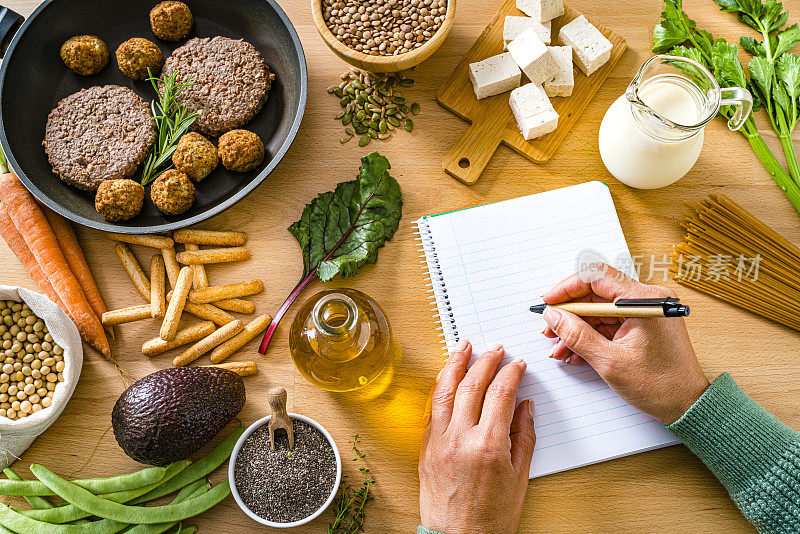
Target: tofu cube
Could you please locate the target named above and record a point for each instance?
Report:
(534, 112)
(494, 75)
(514, 26)
(533, 57)
(538, 125)
(541, 10)
(590, 49)
(564, 81)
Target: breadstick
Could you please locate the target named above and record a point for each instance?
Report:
(207, 343)
(200, 281)
(133, 269)
(157, 287)
(172, 265)
(229, 291)
(240, 368)
(210, 237)
(173, 315)
(207, 312)
(200, 278)
(182, 337)
(154, 241)
(253, 328)
(213, 255)
(236, 305)
(126, 315)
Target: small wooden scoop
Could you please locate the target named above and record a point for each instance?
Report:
(280, 419)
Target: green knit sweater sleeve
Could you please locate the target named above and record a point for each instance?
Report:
(755, 456)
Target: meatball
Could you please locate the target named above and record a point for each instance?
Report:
(172, 192)
(135, 56)
(119, 200)
(241, 150)
(171, 20)
(195, 156)
(85, 54)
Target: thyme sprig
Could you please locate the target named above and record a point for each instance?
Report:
(349, 505)
(172, 121)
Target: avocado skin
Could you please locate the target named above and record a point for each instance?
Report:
(170, 414)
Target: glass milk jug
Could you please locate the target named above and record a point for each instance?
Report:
(653, 134)
(340, 340)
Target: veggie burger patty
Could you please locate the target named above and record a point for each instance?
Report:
(97, 134)
(231, 82)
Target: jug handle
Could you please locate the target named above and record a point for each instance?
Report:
(742, 99)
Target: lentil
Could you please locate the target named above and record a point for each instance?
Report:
(24, 365)
(384, 27)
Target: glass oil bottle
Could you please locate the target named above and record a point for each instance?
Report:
(340, 340)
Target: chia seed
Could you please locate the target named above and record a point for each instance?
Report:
(281, 485)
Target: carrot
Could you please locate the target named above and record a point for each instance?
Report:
(32, 224)
(17, 245)
(75, 259)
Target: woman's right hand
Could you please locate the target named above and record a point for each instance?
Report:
(649, 362)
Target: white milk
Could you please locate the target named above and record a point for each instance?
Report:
(639, 160)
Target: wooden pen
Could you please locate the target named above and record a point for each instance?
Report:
(666, 307)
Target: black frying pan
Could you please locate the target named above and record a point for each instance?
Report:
(33, 79)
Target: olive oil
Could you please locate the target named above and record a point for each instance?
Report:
(340, 340)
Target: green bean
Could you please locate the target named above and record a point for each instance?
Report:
(192, 490)
(19, 523)
(197, 470)
(189, 492)
(30, 488)
(70, 512)
(94, 505)
(39, 503)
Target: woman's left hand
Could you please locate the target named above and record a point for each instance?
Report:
(477, 449)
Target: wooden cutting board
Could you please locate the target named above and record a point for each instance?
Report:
(491, 119)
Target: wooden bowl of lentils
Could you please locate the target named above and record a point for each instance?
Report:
(383, 35)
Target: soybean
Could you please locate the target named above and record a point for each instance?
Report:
(27, 346)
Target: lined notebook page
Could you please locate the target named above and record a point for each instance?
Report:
(489, 264)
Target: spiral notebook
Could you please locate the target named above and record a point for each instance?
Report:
(488, 264)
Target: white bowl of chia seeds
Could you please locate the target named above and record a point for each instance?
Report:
(281, 488)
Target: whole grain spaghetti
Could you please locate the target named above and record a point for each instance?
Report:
(731, 255)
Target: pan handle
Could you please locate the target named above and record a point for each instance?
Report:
(10, 21)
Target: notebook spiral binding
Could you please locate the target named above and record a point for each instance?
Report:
(439, 299)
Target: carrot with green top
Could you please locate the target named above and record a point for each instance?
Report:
(31, 222)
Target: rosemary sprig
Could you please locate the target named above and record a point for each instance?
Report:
(172, 121)
(349, 505)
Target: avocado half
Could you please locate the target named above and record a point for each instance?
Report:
(170, 414)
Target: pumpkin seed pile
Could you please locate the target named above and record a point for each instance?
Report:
(372, 106)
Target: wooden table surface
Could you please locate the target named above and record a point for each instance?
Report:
(667, 490)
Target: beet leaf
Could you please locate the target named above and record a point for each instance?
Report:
(342, 230)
